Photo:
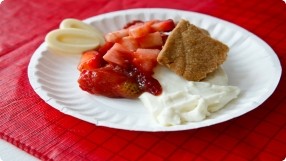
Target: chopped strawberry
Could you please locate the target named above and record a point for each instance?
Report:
(163, 26)
(119, 55)
(116, 36)
(103, 81)
(152, 40)
(146, 59)
(90, 60)
(133, 23)
(164, 37)
(149, 54)
(105, 47)
(129, 43)
(129, 89)
(140, 30)
(108, 82)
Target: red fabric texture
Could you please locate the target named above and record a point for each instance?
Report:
(32, 125)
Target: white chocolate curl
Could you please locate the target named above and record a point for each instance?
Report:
(74, 36)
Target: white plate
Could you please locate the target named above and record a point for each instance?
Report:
(251, 65)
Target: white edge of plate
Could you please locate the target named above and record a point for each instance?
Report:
(53, 103)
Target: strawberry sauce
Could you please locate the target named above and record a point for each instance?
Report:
(117, 82)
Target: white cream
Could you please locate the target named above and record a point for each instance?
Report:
(74, 36)
(185, 101)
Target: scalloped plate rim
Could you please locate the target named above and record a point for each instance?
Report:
(53, 103)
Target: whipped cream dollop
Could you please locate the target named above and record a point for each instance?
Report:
(185, 101)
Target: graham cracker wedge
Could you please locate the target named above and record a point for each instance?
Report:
(191, 53)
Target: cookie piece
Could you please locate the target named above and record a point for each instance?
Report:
(191, 53)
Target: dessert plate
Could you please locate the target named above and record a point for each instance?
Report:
(251, 65)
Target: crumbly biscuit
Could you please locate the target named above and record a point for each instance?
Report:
(191, 53)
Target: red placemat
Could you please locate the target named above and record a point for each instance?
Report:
(29, 123)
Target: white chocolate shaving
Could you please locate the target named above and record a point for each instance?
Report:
(74, 36)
